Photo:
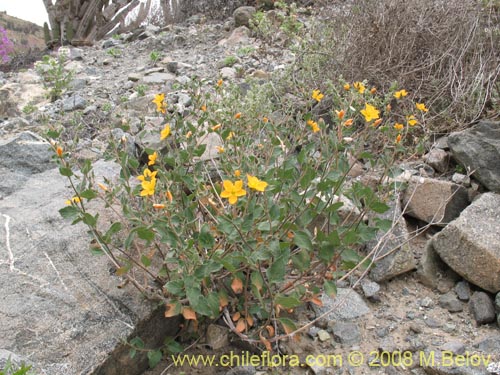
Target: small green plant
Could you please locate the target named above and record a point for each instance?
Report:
(141, 89)
(230, 61)
(55, 77)
(244, 51)
(114, 52)
(29, 109)
(106, 107)
(124, 99)
(155, 56)
(10, 369)
(284, 20)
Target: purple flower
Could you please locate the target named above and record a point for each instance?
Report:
(6, 46)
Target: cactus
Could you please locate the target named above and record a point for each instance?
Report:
(46, 34)
(88, 20)
(56, 33)
(70, 32)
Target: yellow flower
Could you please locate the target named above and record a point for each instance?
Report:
(59, 151)
(152, 158)
(74, 200)
(373, 90)
(203, 108)
(398, 138)
(359, 86)
(220, 82)
(400, 94)
(165, 132)
(377, 122)
(256, 184)
(398, 126)
(233, 191)
(103, 187)
(148, 187)
(147, 175)
(215, 127)
(347, 87)
(230, 135)
(189, 134)
(370, 113)
(340, 114)
(158, 206)
(220, 149)
(159, 100)
(317, 95)
(421, 107)
(348, 122)
(238, 115)
(265, 120)
(411, 120)
(314, 126)
(237, 173)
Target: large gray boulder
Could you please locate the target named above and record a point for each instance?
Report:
(478, 149)
(470, 245)
(60, 305)
(434, 201)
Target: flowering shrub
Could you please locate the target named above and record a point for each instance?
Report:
(256, 229)
(6, 46)
(55, 77)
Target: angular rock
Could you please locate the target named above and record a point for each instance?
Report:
(470, 245)
(450, 302)
(217, 336)
(437, 159)
(61, 307)
(158, 78)
(73, 103)
(462, 289)
(345, 306)
(393, 246)
(346, 333)
(456, 347)
(432, 269)
(370, 289)
(478, 149)
(243, 15)
(434, 201)
(482, 308)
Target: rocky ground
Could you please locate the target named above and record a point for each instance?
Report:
(413, 303)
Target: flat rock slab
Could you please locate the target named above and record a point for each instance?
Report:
(60, 306)
(347, 305)
(478, 149)
(434, 201)
(470, 245)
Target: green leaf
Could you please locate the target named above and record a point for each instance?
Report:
(199, 150)
(288, 325)
(207, 269)
(176, 287)
(326, 252)
(64, 171)
(379, 207)
(145, 260)
(89, 219)
(113, 229)
(136, 342)
(205, 238)
(302, 240)
(154, 357)
(172, 346)
(287, 302)
(87, 167)
(276, 273)
(88, 194)
(301, 260)
(350, 255)
(383, 224)
(132, 352)
(69, 212)
(330, 288)
(145, 234)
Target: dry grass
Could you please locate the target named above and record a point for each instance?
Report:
(444, 51)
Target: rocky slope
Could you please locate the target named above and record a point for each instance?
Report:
(433, 296)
